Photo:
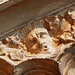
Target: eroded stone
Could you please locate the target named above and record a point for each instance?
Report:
(45, 38)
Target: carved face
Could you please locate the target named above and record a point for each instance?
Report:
(38, 40)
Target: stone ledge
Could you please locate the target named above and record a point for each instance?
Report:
(7, 3)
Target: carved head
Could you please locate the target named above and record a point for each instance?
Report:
(38, 40)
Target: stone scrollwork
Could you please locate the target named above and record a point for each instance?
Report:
(45, 38)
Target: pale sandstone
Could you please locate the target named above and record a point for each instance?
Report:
(46, 38)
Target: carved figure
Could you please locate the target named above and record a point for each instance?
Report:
(39, 40)
(47, 41)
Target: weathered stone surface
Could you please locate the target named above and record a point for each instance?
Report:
(45, 38)
(37, 66)
(3, 1)
(5, 67)
(23, 12)
(7, 3)
(37, 41)
(67, 61)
